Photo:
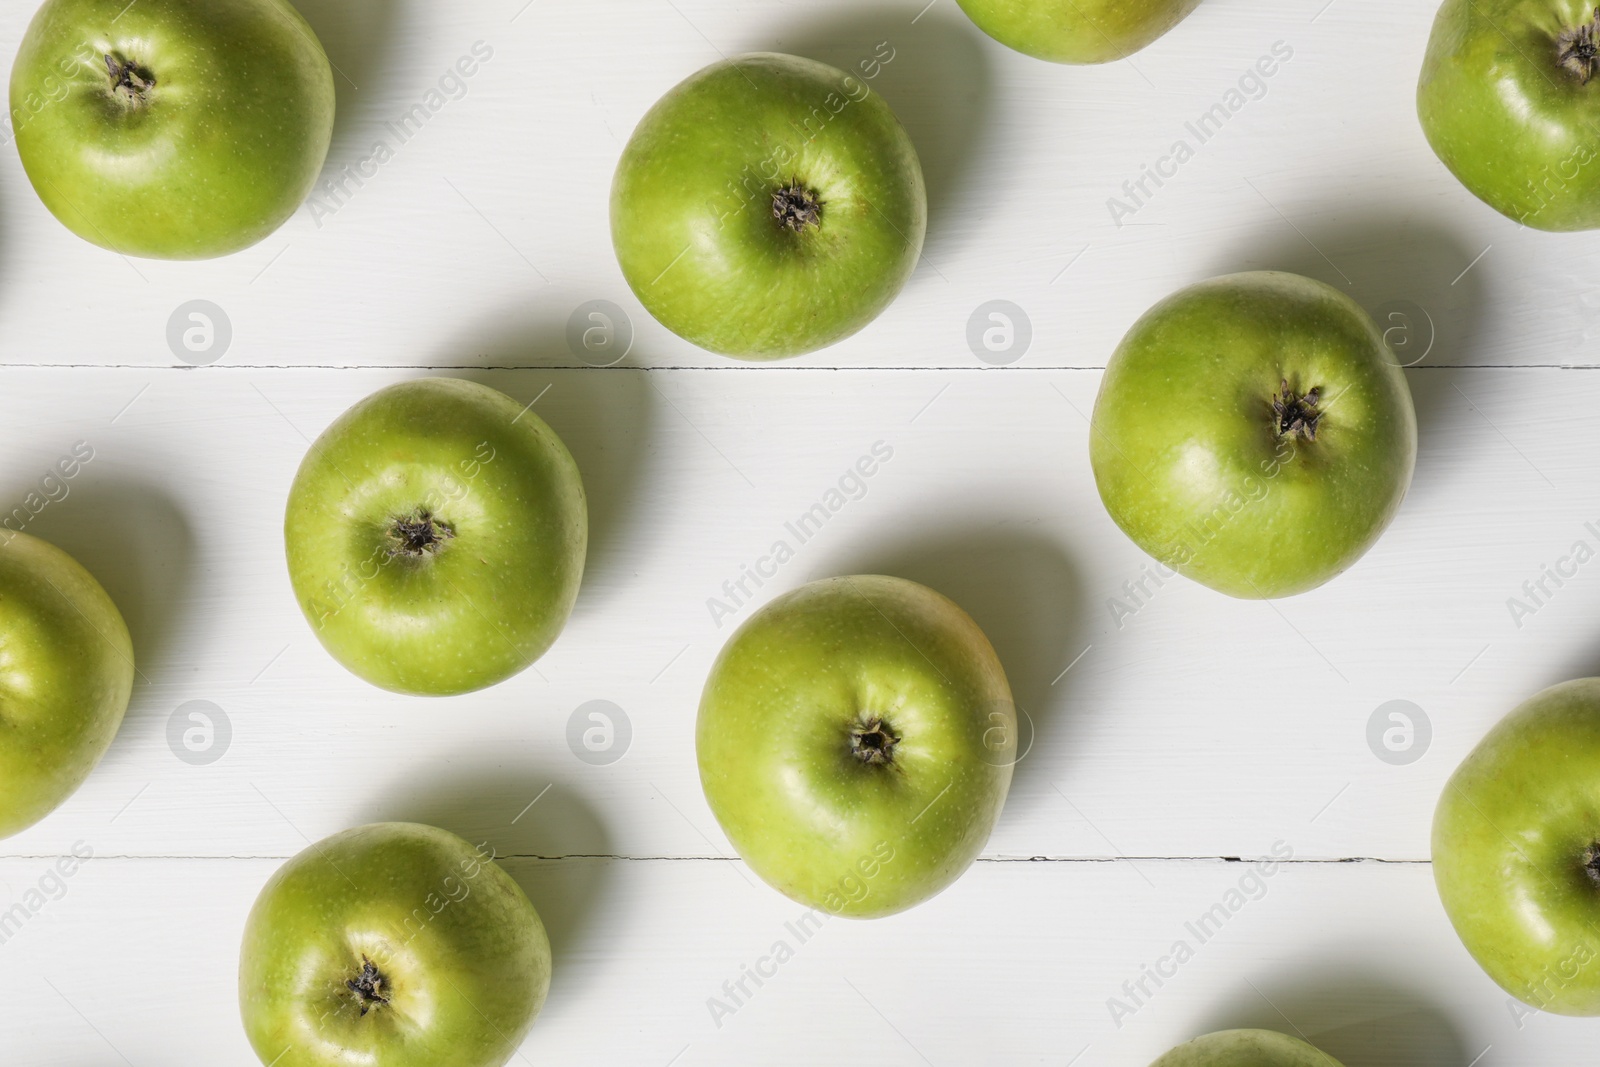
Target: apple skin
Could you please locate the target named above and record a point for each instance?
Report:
(461, 954)
(1077, 31)
(1515, 826)
(708, 257)
(220, 150)
(491, 589)
(67, 678)
(1192, 462)
(1246, 1048)
(777, 758)
(1514, 124)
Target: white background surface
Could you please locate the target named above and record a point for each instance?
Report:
(1199, 729)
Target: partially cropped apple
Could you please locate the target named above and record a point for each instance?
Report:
(1509, 101)
(1077, 31)
(1255, 433)
(391, 945)
(172, 129)
(66, 672)
(855, 741)
(768, 206)
(1516, 850)
(1246, 1048)
(436, 535)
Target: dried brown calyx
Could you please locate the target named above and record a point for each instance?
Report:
(1296, 414)
(369, 986)
(796, 207)
(873, 741)
(129, 80)
(418, 534)
(1578, 49)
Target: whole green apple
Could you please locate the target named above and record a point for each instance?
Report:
(1077, 31)
(172, 129)
(1516, 850)
(855, 741)
(1246, 1048)
(391, 945)
(67, 678)
(1507, 103)
(436, 535)
(768, 206)
(1254, 433)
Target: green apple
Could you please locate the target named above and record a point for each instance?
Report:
(768, 206)
(1516, 850)
(855, 741)
(68, 673)
(1246, 1048)
(172, 129)
(436, 534)
(1254, 433)
(1508, 101)
(1077, 31)
(391, 945)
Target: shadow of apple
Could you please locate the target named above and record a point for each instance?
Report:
(1410, 275)
(359, 37)
(938, 82)
(605, 418)
(543, 832)
(1358, 1018)
(133, 538)
(1022, 589)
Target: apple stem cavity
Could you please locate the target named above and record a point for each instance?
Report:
(129, 81)
(796, 207)
(1296, 415)
(1578, 49)
(418, 534)
(368, 986)
(873, 741)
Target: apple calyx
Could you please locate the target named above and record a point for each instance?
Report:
(1591, 864)
(418, 534)
(1578, 49)
(368, 986)
(796, 207)
(873, 741)
(129, 81)
(1296, 415)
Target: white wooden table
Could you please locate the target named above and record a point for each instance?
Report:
(1173, 745)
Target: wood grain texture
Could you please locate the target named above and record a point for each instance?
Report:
(1017, 963)
(1252, 715)
(1171, 727)
(485, 225)
(1198, 727)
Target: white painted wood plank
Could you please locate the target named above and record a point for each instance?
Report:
(1016, 963)
(478, 239)
(1199, 726)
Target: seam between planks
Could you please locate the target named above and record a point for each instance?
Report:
(1063, 860)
